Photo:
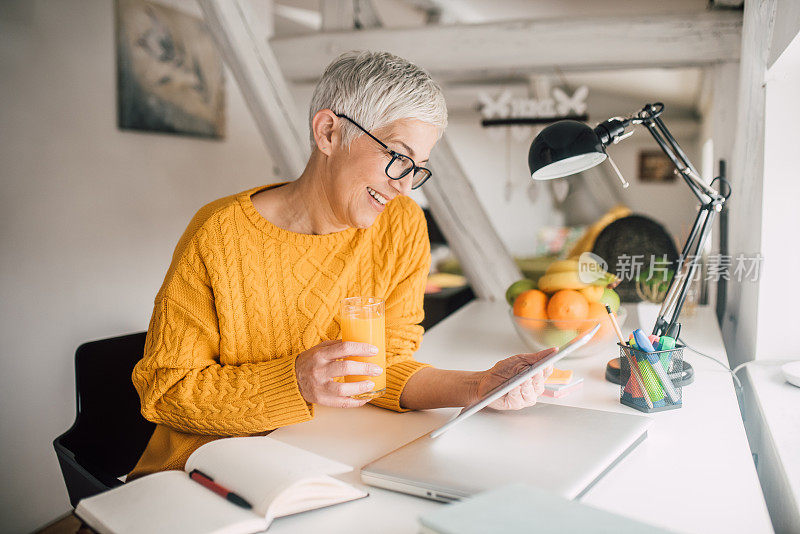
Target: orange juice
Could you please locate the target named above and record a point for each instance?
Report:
(364, 320)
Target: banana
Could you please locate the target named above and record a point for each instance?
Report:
(550, 283)
(573, 266)
(562, 266)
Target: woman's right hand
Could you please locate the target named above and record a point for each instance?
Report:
(318, 366)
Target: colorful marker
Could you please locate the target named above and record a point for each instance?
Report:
(631, 361)
(655, 363)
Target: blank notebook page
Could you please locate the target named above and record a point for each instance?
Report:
(259, 468)
(166, 502)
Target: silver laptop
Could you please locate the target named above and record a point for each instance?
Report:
(557, 448)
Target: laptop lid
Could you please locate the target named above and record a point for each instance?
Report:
(562, 449)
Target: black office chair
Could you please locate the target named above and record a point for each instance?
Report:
(109, 433)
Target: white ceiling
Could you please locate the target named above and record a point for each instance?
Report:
(676, 86)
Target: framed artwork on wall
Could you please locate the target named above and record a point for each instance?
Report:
(655, 166)
(170, 76)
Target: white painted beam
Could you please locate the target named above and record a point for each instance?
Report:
(242, 42)
(465, 51)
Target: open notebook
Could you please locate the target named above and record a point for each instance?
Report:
(275, 478)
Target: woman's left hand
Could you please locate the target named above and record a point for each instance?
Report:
(523, 395)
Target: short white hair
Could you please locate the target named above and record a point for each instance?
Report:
(375, 89)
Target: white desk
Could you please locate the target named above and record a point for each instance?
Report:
(697, 455)
(773, 412)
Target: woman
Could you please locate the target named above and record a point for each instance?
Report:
(244, 336)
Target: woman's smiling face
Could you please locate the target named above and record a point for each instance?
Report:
(356, 174)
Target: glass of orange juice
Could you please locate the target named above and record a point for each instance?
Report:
(364, 320)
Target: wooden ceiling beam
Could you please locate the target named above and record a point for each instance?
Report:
(464, 51)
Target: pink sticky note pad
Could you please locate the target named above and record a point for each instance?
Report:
(558, 390)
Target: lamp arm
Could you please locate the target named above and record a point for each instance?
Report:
(711, 202)
(675, 283)
(705, 232)
(614, 130)
(679, 286)
(674, 144)
(681, 166)
(704, 192)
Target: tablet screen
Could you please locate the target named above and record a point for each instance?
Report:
(515, 381)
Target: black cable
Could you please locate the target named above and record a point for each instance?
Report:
(724, 182)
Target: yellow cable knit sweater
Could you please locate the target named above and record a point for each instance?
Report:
(243, 297)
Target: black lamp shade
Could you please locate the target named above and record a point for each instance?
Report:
(563, 148)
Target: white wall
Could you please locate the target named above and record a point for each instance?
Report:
(89, 216)
(778, 291)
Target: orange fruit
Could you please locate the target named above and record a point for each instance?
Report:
(569, 307)
(531, 306)
(598, 313)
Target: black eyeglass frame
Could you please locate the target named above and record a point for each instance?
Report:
(395, 155)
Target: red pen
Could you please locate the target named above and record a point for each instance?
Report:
(208, 482)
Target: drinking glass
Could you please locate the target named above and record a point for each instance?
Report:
(363, 320)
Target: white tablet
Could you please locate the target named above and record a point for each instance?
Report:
(515, 381)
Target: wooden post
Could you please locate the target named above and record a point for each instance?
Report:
(243, 45)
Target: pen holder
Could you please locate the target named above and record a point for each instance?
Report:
(662, 384)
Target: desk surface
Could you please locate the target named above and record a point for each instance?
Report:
(698, 453)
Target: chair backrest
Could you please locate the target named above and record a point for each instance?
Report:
(109, 433)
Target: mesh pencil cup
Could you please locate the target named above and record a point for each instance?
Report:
(654, 383)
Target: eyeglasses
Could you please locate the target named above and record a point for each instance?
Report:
(400, 164)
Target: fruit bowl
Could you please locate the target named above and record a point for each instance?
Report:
(540, 334)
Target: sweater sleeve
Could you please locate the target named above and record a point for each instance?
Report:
(404, 312)
(180, 379)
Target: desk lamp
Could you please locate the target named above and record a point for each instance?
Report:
(568, 147)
